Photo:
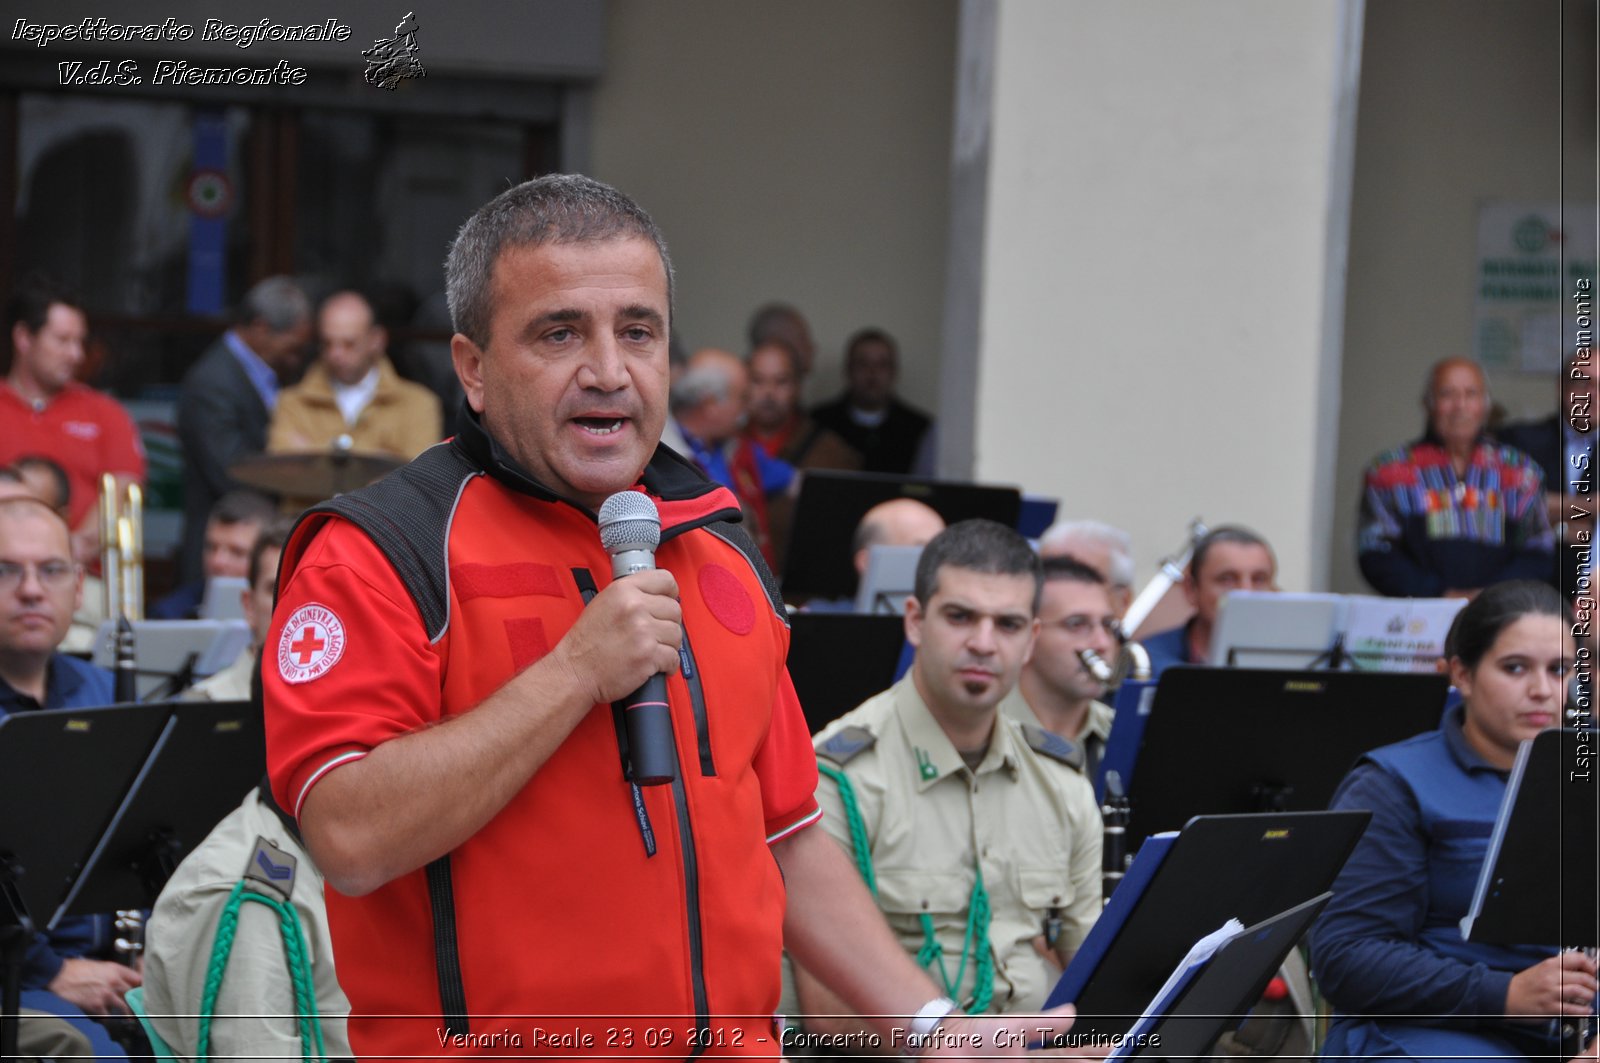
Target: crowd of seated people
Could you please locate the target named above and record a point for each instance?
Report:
(999, 689)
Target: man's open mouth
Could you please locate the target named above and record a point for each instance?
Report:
(600, 426)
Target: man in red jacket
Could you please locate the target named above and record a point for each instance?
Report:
(437, 678)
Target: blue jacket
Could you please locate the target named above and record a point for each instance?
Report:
(1389, 942)
(1167, 648)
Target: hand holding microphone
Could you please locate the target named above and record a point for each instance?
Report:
(630, 531)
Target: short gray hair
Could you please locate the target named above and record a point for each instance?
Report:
(701, 384)
(554, 209)
(278, 303)
(1118, 542)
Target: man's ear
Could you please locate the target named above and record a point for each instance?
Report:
(913, 621)
(468, 360)
(1033, 639)
(1191, 591)
(20, 337)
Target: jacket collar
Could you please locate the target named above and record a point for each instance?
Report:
(318, 384)
(937, 757)
(683, 494)
(1431, 438)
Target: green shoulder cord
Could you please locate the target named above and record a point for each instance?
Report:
(976, 943)
(858, 827)
(294, 947)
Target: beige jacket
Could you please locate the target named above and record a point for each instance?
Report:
(402, 419)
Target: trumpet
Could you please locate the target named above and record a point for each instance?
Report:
(122, 548)
(122, 569)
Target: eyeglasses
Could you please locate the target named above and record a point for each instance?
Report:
(1079, 624)
(53, 575)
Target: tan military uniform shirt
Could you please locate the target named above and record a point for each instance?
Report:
(229, 684)
(1096, 729)
(1028, 821)
(254, 1008)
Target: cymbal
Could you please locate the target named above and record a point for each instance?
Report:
(313, 474)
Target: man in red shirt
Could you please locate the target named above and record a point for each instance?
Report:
(48, 413)
(439, 678)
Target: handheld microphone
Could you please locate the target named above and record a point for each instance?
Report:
(630, 531)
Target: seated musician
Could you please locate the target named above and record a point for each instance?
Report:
(66, 972)
(261, 567)
(1227, 558)
(1388, 951)
(253, 873)
(231, 528)
(978, 835)
(1057, 691)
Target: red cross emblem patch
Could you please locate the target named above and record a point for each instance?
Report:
(312, 642)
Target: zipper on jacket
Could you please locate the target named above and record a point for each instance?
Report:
(697, 698)
(691, 903)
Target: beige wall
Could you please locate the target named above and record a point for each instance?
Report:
(1157, 258)
(789, 151)
(1460, 103)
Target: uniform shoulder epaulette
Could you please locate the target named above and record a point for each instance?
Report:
(271, 868)
(848, 744)
(1049, 744)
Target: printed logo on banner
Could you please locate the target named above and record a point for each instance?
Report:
(312, 642)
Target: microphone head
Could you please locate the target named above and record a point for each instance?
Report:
(629, 520)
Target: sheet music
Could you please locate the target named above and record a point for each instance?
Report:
(1197, 957)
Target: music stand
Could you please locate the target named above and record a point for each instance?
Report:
(839, 660)
(1398, 634)
(1036, 516)
(1247, 867)
(1132, 703)
(221, 600)
(172, 654)
(1225, 740)
(890, 579)
(209, 755)
(89, 757)
(831, 504)
(1538, 885)
(1224, 989)
(1262, 629)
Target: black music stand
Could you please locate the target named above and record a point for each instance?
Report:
(89, 757)
(839, 660)
(1224, 989)
(209, 755)
(1245, 867)
(1538, 884)
(831, 504)
(1224, 740)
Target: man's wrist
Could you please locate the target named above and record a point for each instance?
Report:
(919, 1031)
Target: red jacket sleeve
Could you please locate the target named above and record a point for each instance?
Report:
(346, 665)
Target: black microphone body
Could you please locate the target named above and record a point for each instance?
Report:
(630, 530)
